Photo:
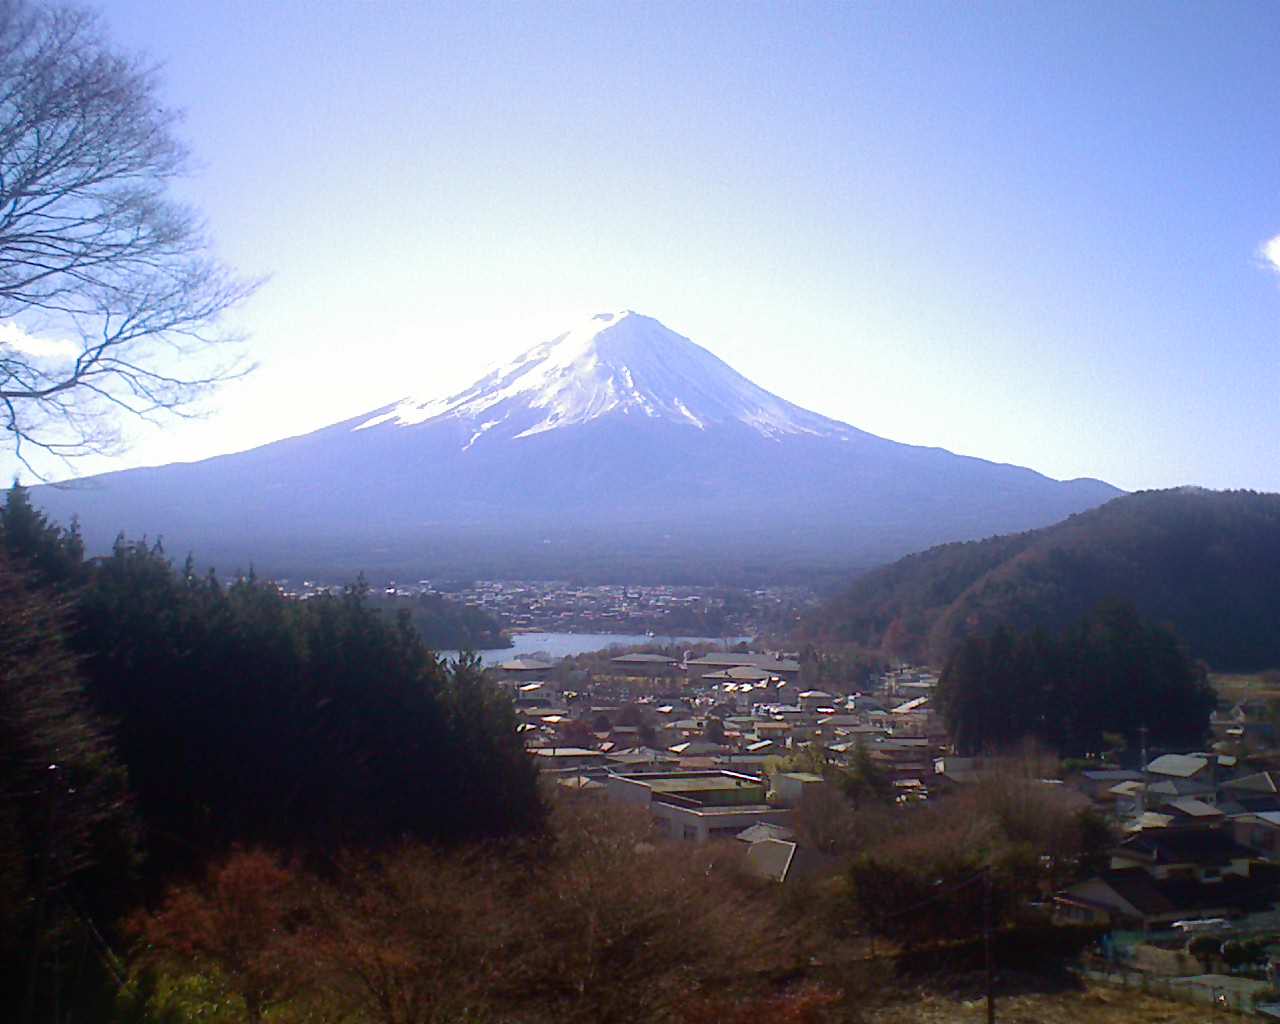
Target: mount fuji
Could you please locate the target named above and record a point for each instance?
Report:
(615, 364)
(618, 449)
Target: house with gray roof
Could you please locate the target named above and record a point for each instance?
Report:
(1098, 782)
(784, 668)
(1189, 811)
(1169, 789)
(560, 759)
(644, 665)
(637, 758)
(696, 748)
(785, 861)
(1260, 832)
(765, 830)
(1251, 793)
(1159, 876)
(524, 668)
(1182, 766)
(1180, 853)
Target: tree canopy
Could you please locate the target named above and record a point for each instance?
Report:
(245, 715)
(1110, 673)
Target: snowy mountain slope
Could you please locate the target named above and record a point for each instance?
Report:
(614, 364)
(618, 445)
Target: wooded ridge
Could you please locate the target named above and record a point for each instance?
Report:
(1205, 562)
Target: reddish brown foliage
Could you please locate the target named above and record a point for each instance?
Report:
(413, 937)
(234, 926)
(601, 923)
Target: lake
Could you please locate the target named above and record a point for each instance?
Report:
(561, 645)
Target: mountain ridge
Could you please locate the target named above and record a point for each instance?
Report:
(618, 435)
(1206, 562)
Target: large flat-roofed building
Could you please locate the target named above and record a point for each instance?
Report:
(698, 805)
(784, 668)
(644, 665)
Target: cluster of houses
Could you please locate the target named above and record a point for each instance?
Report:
(1197, 861)
(695, 752)
(728, 712)
(1201, 836)
(1198, 833)
(526, 605)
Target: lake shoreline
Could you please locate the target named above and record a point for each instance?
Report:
(564, 645)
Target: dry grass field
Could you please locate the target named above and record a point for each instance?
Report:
(1093, 1005)
(1236, 687)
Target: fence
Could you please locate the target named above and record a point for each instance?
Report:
(1240, 995)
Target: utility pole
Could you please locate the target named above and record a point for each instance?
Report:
(986, 944)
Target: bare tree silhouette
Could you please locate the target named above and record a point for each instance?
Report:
(110, 298)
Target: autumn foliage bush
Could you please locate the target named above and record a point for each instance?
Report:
(595, 922)
(923, 875)
(235, 928)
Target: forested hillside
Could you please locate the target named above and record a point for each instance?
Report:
(445, 624)
(243, 715)
(1205, 562)
(152, 719)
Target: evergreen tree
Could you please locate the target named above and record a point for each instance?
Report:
(55, 555)
(1110, 673)
(67, 842)
(964, 697)
(248, 716)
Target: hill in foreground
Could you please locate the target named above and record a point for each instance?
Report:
(1205, 562)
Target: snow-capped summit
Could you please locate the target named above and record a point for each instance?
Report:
(613, 364)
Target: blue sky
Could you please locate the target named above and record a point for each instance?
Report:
(1029, 232)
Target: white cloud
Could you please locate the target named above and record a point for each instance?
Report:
(15, 338)
(1270, 253)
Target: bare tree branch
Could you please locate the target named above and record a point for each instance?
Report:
(110, 300)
